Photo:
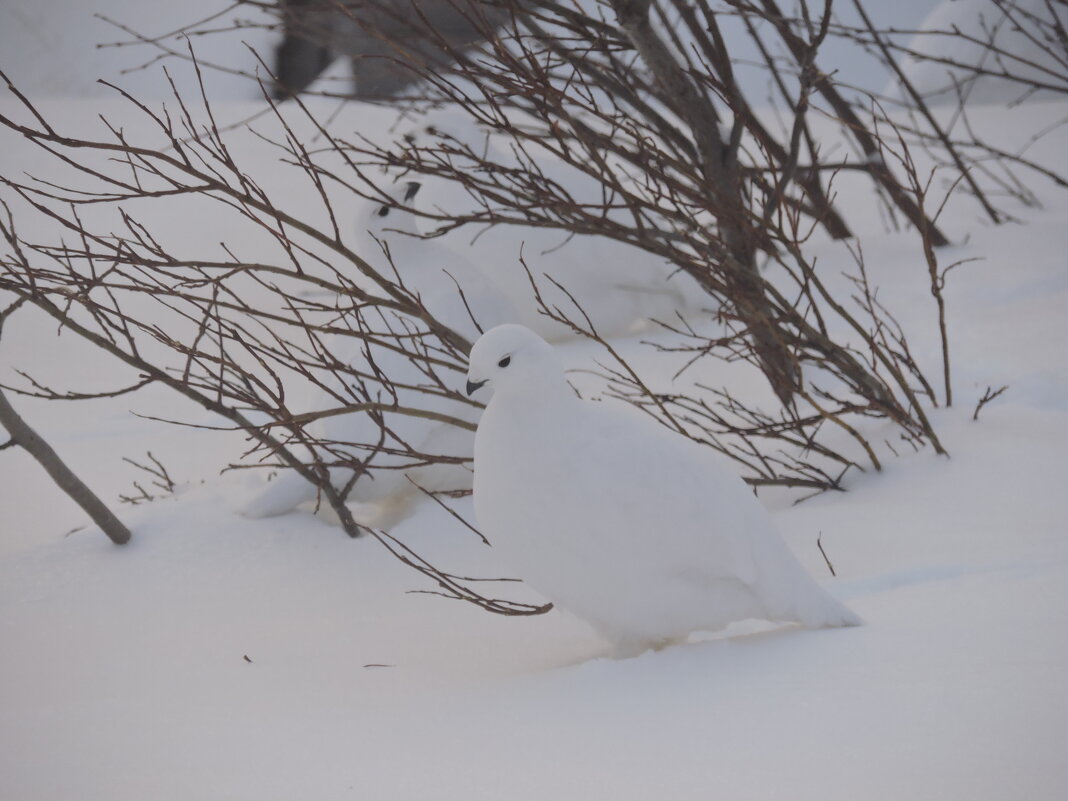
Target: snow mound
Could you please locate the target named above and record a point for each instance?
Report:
(1014, 33)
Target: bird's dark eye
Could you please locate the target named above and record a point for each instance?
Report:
(382, 212)
(505, 361)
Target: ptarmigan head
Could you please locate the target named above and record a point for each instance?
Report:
(513, 360)
(382, 218)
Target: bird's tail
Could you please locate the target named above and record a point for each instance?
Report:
(282, 495)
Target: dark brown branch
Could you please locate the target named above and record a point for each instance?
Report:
(988, 396)
(823, 553)
(30, 441)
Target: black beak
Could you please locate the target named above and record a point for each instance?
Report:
(474, 386)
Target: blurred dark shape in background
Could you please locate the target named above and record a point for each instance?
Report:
(388, 41)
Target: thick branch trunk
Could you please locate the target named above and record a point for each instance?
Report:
(31, 442)
(719, 168)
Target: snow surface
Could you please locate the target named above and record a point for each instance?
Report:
(123, 671)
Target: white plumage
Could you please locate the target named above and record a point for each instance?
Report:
(433, 274)
(620, 287)
(432, 271)
(645, 535)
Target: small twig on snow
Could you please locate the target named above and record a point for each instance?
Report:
(819, 544)
(988, 396)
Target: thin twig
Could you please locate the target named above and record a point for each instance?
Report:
(988, 396)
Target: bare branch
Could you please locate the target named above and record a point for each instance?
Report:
(65, 479)
(988, 396)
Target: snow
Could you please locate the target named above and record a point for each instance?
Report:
(123, 674)
(61, 48)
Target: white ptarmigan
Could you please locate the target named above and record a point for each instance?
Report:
(434, 275)
(621, 287)
(643, 534)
